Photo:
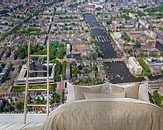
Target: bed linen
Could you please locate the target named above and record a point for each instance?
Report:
(106, 114)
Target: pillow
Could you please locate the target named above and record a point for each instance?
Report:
(143, 92)
(130, 90)
(71, 90)
(104, 87)
(79, 91)
(103, 95)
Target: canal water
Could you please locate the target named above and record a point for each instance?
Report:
(119, 72)
(100, 36)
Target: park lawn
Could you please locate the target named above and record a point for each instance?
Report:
(22, 88)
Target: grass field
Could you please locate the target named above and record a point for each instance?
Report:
(22, 88)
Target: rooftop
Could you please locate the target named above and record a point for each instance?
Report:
(15, 121)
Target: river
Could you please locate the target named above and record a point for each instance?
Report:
(119, 72)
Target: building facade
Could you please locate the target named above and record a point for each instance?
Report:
(134, 66)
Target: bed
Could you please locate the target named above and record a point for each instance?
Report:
(100, 111)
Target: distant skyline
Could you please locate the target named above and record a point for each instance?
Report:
(94, 1)
(21, 1)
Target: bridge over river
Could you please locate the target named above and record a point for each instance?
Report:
(113, 60)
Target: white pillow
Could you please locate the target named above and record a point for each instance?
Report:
(71, 93)
(123, 85)
(143, 92)
(103, 95)
(130, 89)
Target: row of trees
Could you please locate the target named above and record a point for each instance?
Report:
(22, 51)
(58, 98)
(61, 51)
(147, 70)
(64, 64)
(155, 9)
(106, 70)
(126, 10)
(9, 107)
(127, 38)
(74, 71)
(30, 31)
(60, 70)
(158, 99)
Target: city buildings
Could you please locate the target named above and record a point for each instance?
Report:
(134, 66)
(38, 78)
(90, 42)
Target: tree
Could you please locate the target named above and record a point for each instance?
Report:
(57, 78)
(0, 69)
(74, 71)
(153, 54)
(106, 69)
(87, 70)
(94, 67)
(127, 38)
(20, 106)
(64, 70)
(61, 50)
(157, 97)
(3, 65)
(10, 66)
(15, 55)
(39, 101)
(147, 70)
(137, 44)
(22, 55)
(20, 66)
(58, 67)
(7, 108)
(129, 50)
(5, 76)
(56, 97)
(57, 70)
(82, 65)
(109, 22)
(62, 97)
(94, 56)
